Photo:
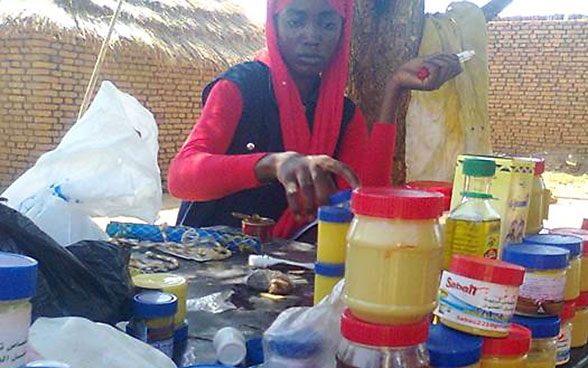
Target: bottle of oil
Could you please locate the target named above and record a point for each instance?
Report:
(473, 227)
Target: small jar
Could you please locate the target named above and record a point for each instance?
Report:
(18, 283)
(166, 283)
(574, 245)
(394, 235)
(452, 349)
(544, 343)
(542, 291)
(580, 322)
(584, 260)
(508, 352)
(153, 320)
(536, 202)
(479, 295)
(367, 345)
(564, 339)
(326, 276)
(333, 225)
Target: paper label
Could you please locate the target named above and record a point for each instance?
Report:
(14, 334)
(564, 344)
(477, 304)
(542, 294)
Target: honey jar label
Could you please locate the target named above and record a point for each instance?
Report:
(542, 294)
(564, 344)
(476, 304)
(14, 335)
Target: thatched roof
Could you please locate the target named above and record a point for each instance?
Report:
(216, 30)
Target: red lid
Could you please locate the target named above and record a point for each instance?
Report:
(539, 166)
(582, 301)
(585, 224)
(369, 334)
(442, 187)
(489, 270)
(396, 203)
(518, 342)
(573, 231)
(568, 311)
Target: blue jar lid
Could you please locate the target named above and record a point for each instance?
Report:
(181, 333)
(569, 242)
(329, 270)
(540, 257)
(541, 328)
(449, 348)
(18, 277)
(154, 304)
(335, 214)
(340, 197)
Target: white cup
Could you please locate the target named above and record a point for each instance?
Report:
(229, 345)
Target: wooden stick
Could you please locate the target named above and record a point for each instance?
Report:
(99, 62)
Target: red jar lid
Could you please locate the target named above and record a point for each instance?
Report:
(489, 270)
(518, 342)
(568, 311)
(539, 166)
(397, 203)
(442, 187)
(370, 334)
(577, 232)
(582, 301)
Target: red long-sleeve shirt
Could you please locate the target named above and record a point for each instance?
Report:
(199, 172)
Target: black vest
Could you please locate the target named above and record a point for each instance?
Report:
(258, 131)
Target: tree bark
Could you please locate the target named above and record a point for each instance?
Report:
(387, 33)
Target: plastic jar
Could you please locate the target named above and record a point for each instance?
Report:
(479, 295)
(394, 255)
(574, 245)
(166, 283)
(584, 260)
(18, 284)
(333, 225)
(564, 339)
(580, 322)
(542, 291)
(508, 352)
(367, 345)
(326, 276)
(153, 320)
(536, 205)
(544, 343)
(451, 349)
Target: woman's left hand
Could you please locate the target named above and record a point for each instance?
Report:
(426, 73)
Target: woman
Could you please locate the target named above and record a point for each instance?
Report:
(277, 136)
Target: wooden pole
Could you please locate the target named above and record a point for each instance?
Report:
(99, 62)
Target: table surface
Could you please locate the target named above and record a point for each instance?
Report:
(254, 313)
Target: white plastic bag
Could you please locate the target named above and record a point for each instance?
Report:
(106, 165)
(82, 343)
(306, 336)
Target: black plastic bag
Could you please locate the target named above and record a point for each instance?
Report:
(88, 279)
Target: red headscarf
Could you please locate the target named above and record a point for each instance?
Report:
(329, 112)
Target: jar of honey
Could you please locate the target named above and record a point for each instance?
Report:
(507, 352)
(544, 343)
(580, 322)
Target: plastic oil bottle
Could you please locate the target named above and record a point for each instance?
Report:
(473, 227)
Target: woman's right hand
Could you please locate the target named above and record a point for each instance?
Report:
(307, 180)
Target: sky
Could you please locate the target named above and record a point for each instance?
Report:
(256, 8)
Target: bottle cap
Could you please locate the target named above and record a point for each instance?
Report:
(154, 304)
(335, 214)
(479, 167)
(517, 342)
(450, 348)
(540, 257)
(329, 270)
(397, 203)
(18, 277)
(541, 328)
(569, 242)
(577, 232)
(489, 270)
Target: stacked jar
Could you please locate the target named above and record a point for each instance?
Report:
(580, 322)
(544, 331)
(333, 225)
(507, 352)
(393, 265)
(564, 339)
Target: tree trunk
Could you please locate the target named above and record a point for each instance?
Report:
(387, 33)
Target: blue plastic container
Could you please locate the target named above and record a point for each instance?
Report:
(452, 349)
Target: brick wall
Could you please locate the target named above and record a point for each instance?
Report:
(539, 85)
(43, 81)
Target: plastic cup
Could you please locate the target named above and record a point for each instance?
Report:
(229, 345)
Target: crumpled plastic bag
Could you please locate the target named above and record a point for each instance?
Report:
(106, 165)
(84, 344)
(213, 303)
(306, 334)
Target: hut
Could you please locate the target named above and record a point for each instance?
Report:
(163, 52)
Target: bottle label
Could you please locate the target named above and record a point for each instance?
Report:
(475, 238)
(477, 304)
(542, 294)
(564, 343)
(14, 334)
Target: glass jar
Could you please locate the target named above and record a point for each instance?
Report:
(574, 245)
(544, 343)
(452, 349)
(153, 320)
(536, 205)
(564, 339)
(18, 283)
(584, 260)
(542, 291)
(580, 322)
(508, 352)
(395, 236)
(367, 345)
(479, 295)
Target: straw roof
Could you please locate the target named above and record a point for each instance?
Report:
(216, 30)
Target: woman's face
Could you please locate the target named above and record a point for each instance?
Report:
(308, 34)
